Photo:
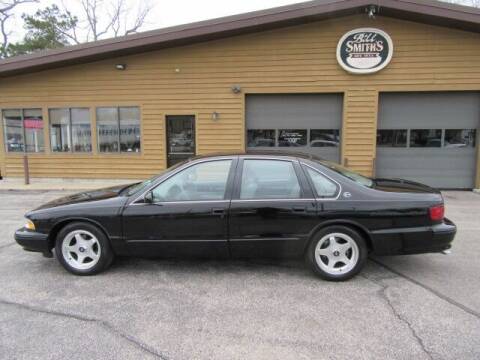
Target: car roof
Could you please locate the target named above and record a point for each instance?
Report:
(261, 153)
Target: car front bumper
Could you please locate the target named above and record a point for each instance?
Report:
(33, 241)
(417, 240)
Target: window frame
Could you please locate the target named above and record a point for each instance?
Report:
(117, 110)
(305, 189)
(24, 137)
(312, 185)
(70, 131)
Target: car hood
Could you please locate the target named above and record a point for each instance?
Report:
(404, 186)
(84, 197)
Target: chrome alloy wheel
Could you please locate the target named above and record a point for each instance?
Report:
(81, 249)
(336, 253)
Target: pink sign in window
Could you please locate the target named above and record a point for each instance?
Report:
(33, 124)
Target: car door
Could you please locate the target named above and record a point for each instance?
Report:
(272, 210)
(186, 213)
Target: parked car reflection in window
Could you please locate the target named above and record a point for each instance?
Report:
(392, 138)
(426, 138)
(324, 138)
(458, 138)
(261, 138)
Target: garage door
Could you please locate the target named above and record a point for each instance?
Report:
(428, 137)
(305, 123)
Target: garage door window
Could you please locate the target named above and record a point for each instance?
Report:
(292, 137)
(430, 138)
(460, 138)
(269, 179)
(392, 138)
(324, 138)
(261, 138)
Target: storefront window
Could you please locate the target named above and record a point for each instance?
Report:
(391, 138)
(12, 121)
(23, 130)
(33, 124)
(426, 138)
(261, 138)
(81, 130)
(292, 138)
(107, 129)
(129, 129)
(459, 138)
(70, 126)
(118, 129)
(324, 138)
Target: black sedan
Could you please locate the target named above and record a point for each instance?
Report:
(244, 205)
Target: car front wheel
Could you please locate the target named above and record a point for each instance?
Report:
(83, 249)
(337, 253)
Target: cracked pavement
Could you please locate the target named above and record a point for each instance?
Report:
(421, 307)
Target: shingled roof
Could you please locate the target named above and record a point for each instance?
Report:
(424, 11)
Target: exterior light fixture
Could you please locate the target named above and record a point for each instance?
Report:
(236, 89)
(120, 66)
(371, 10)
(215, 116)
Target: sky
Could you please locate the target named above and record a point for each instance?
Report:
(167, 12)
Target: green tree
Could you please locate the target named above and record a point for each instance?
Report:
(48, 28)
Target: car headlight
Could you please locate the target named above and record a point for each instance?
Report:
(29, 225)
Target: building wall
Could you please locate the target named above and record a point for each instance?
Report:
(298, 59)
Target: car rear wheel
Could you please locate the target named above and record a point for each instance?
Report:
(83, 249)
(337, 253)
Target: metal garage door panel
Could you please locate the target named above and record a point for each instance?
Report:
(429, 110)
(447, 167)
(292, 111)
(441, 168)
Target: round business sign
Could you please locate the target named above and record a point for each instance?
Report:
(364, 51)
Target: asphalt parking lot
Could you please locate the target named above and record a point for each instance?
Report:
(415, 307)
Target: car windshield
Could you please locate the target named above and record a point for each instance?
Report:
(359, 179)
(137, 187)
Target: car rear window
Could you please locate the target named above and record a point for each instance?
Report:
(352, 175)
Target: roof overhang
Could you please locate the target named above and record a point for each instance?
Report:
(424, 11)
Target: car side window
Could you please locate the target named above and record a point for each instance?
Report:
(324, 187)
(269, 179)
(204, 181)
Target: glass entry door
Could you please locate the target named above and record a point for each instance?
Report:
(180, 138)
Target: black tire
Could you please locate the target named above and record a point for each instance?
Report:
(103, 248)
(354, 266)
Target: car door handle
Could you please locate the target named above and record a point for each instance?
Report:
(299, 209)
(218, 211)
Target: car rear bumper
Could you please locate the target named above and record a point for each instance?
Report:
(32, 241)
(415, 240)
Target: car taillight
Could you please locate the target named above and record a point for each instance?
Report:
(437, 212)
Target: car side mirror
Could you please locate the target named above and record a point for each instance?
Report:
(148, 198)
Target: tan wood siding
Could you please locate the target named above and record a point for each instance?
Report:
(298, 59)
(360, 129)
